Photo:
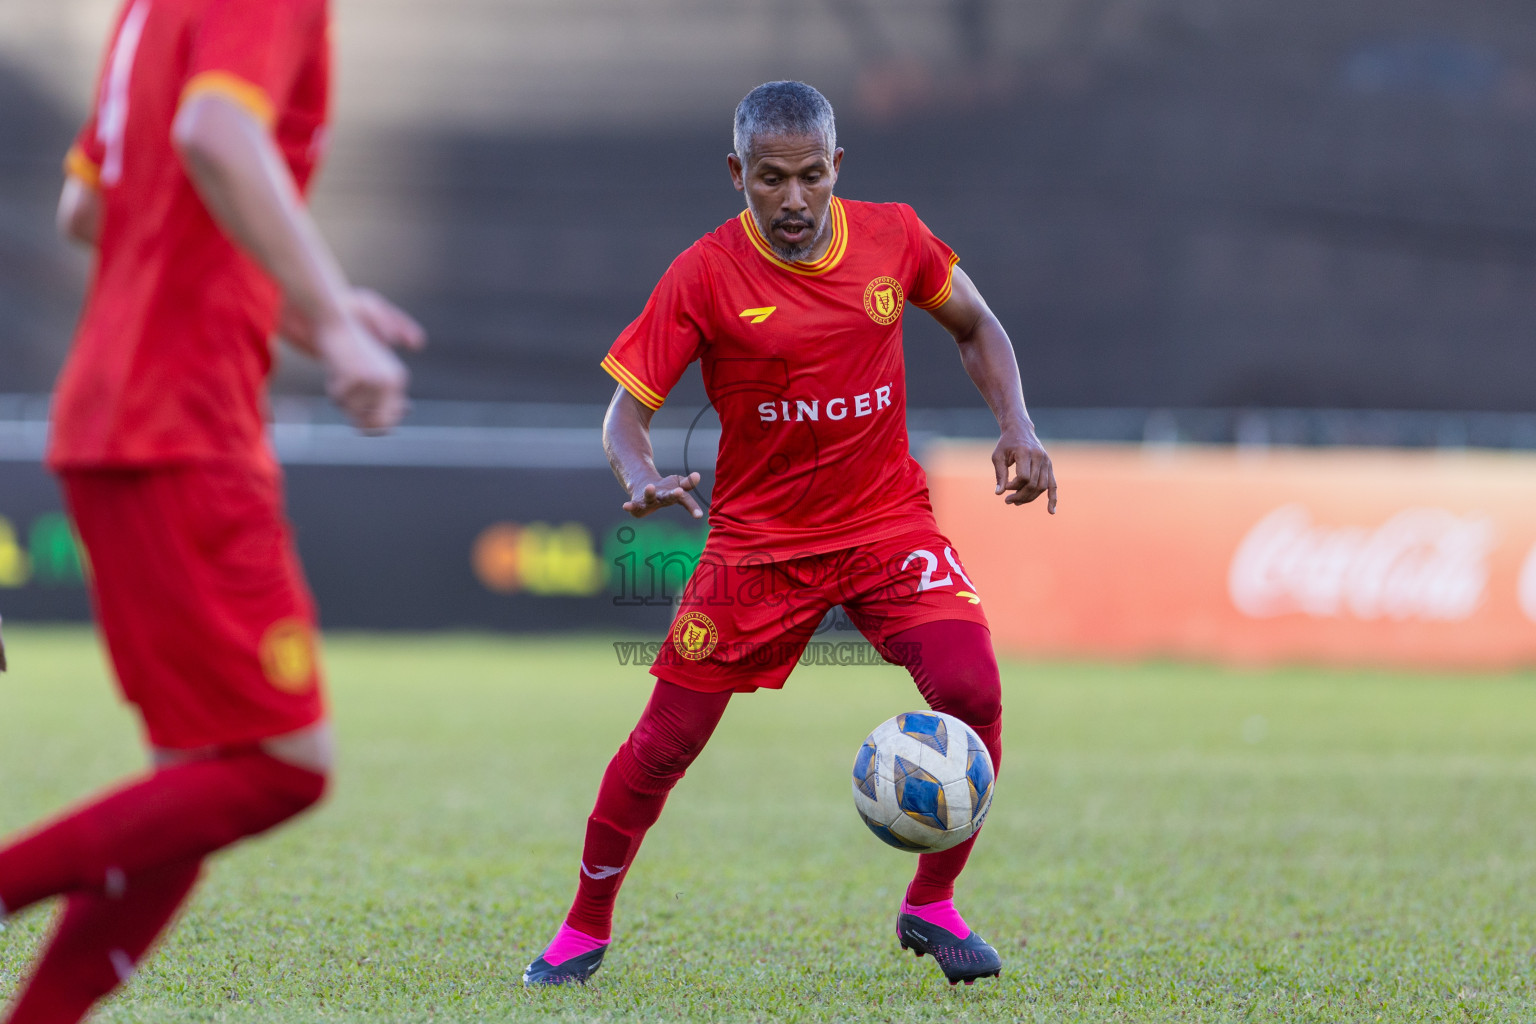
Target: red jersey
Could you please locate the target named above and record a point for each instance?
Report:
(173, 347)
(803, 363)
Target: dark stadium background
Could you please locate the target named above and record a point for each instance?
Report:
(1187, 213)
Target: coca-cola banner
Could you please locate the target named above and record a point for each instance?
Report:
(1323, 556)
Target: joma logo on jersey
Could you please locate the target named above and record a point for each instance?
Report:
(799, 410)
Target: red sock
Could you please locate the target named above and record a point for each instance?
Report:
(673, 729)
(180, 813)
(98, 942)
(951, 661)
(936, 872)
(624, 813)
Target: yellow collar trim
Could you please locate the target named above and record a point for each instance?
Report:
(815, 268)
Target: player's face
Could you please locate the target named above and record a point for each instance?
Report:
(788, 186)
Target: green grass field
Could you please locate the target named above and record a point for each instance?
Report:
(1169, 843)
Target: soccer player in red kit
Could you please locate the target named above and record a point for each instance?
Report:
(188, 179)
(794, 309)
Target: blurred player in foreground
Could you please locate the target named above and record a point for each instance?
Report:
(188, 180)
(795, 310)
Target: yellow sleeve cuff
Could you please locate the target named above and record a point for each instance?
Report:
(944, 292)
(232, 87)
(78, 165)
(644, 395)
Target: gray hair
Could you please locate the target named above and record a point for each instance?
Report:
(783, 108)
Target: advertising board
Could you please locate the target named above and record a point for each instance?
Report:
(1324, 556)
(1360, 557)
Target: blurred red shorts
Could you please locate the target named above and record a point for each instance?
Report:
(745, 621)
(201, 598)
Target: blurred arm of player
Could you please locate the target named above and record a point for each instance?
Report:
(237, 169)
(627, 440)
(79, 216)
(241, 176)
(989, 358)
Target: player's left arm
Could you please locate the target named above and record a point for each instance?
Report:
(79, 216)
(994, 368)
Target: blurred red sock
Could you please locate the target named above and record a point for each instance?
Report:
(175, 814)
(99, 940)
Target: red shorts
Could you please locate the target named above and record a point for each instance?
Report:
(199, 593)
(745, 621)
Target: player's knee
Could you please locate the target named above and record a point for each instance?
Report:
(968, 685)
(307, 789)
(673, 731)
(664, 756)
(282, 790)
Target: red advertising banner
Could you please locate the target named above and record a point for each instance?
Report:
(1353, 557)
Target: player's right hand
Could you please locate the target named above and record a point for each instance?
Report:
(363, 377)
(386, 321)
(669, 490)
(378, 316)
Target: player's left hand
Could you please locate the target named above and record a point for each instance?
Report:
(1034, 475)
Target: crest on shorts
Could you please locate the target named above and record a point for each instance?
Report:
(288, 655)
(694, 635)
(883, 300)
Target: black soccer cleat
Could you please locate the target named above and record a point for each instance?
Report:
(577, 969)
(960, 959)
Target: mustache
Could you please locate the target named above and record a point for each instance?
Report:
(792, 221)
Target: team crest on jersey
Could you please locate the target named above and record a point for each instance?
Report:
(288, 655)
(883, 300)
(694, 635)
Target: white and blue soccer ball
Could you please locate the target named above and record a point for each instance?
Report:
(923, 781)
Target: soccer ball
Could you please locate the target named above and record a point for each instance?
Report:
(923, 781)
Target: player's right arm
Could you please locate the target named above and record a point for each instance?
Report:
(647, 359)
(240, 174)
(80, 207)
(627, 441)
(79, 216)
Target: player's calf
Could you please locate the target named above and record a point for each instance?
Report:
(179, 813)
(98, 943)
